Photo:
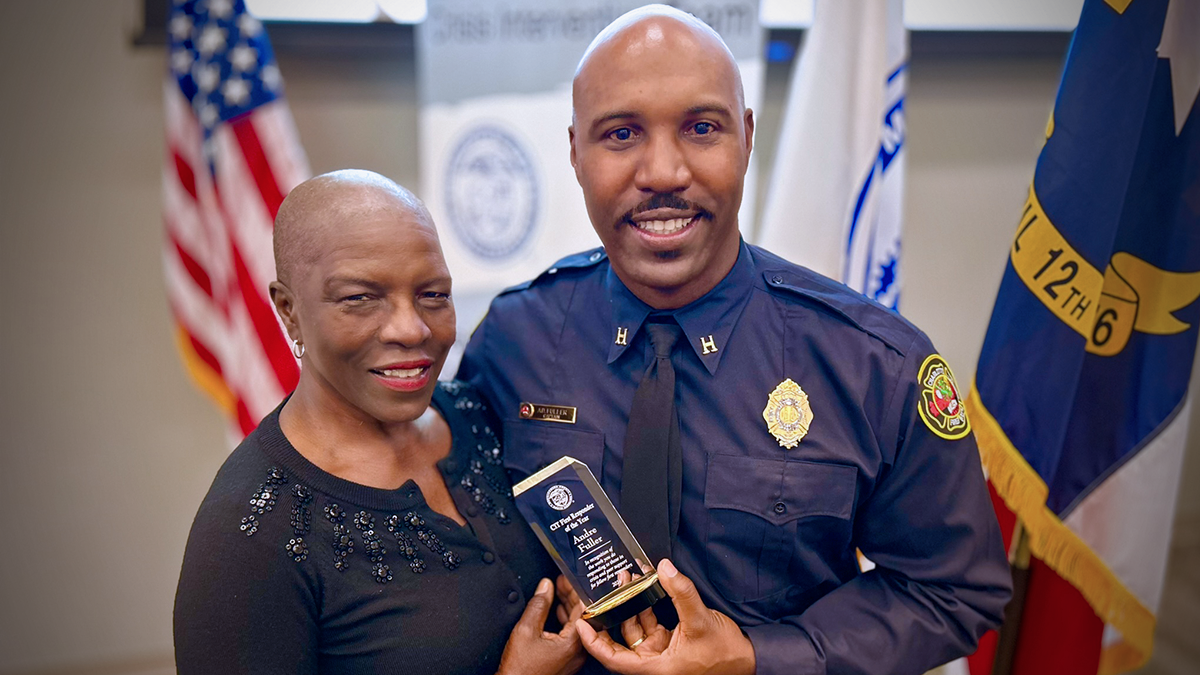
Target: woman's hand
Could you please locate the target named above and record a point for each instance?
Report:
(531, 650)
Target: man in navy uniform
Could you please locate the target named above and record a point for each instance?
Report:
(811, 421)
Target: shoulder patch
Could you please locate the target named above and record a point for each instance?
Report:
(941, 408)
(575, 261)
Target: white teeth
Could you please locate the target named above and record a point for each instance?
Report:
(402, 372)
(664, 226)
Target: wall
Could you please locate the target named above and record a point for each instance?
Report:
(108, 449)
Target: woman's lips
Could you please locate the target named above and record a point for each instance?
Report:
(403, 376)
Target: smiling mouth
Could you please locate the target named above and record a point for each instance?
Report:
(664, 227)
(401, 372)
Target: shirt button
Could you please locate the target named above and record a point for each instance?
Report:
(472, 512)
(513, 596)
(489, 557)
(780, 507)
(594, 257)
(777, 279)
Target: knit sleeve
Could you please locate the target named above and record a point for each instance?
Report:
(247, 598)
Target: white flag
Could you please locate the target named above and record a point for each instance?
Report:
(836, 194)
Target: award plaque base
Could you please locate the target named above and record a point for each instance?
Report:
(624, 602)
(589, 541)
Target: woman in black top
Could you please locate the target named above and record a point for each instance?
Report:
(367, 525)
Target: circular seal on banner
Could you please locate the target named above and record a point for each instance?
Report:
(941, 407)
(491, 192)
(559, 497)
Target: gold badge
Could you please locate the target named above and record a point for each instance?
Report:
(547, 413)
(788, 414)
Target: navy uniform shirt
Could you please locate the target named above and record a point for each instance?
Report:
(769, 533)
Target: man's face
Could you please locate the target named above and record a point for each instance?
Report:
(660, 145)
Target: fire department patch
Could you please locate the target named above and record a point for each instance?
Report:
(941, 407)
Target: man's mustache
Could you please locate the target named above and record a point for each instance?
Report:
(666, 200)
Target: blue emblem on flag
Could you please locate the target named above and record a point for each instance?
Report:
(872, 261)
(491, 192)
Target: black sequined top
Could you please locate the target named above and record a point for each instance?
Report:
(289, 569)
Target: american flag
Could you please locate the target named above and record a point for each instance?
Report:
(231, 155)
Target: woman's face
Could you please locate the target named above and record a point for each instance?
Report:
(372, 306)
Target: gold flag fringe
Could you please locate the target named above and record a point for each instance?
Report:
(1052, 542)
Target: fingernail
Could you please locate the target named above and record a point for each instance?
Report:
(666, 569)
(543, 586)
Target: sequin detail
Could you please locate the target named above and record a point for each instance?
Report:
(264, 499)
(343, 546)
(470, 483)
(427, 537)
(334, 513)
(373, 546)
(343, 540)
(408, 547)
(249, 525)
(381, 573)
(301, 515)
(297, 548)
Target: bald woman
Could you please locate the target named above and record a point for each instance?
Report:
(366, 525)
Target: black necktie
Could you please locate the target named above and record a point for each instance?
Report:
(652, 473)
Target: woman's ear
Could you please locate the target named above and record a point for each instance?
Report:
(285, 306)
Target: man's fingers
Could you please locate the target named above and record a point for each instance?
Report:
(688, 605)
(537, 609)
(631, 631)
(602, 647)
(648, 620)
(594, 641)
(569, 632)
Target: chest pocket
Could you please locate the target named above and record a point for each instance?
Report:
(529, 446)
(763, 512)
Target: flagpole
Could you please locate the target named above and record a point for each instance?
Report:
(1018, 560)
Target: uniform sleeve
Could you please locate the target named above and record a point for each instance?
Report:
(474, 367)
(941, 577)
(243, 604)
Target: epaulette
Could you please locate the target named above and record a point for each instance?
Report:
(843, 303)
(574, 261)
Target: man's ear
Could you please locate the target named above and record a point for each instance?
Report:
(285, 306)
(571, 142)
(748, 121)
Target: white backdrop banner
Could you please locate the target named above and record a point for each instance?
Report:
(495, 83)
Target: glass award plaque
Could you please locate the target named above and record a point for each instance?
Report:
(574, 519)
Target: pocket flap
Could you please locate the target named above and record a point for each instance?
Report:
(779, 490)
(529, 446)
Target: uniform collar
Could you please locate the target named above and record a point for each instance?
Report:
(707, 323)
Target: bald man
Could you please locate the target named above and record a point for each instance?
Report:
(806, 421)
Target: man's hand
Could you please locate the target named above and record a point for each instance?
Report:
(705, 641)
(532, 649)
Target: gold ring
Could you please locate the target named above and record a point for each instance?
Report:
(637, 642)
